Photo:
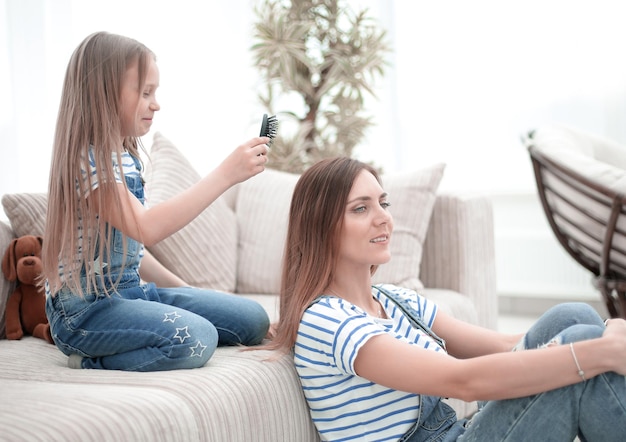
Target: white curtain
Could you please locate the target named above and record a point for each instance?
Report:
(465, 80)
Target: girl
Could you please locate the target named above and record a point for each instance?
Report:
(375, 361)
(100, 312)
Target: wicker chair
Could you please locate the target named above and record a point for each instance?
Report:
(581, 180)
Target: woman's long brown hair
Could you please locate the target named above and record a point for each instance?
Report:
(316, 216)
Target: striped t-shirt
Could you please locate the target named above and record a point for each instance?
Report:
(128, 168)
(344, 406)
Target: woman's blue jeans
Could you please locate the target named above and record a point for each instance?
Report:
(594, 410)
(145, 328)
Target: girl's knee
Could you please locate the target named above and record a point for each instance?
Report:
(200, 354)
(262, 324)
(258, 324)
(249, 328)
(198, 349)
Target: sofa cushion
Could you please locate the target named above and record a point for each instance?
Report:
(203, 253)
(412, 196)
(263, 210)
(263, 213)
(26, 212)
(600, 159)
(237, 396)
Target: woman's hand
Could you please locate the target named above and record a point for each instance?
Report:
(616, 331)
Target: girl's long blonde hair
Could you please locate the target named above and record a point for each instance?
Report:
(89, 115)
(316, 216)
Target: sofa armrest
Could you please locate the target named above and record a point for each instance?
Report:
(6, 287)
(459, 252)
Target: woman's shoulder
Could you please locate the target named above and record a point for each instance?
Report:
(330, 303)
(332, 310)
(333, 319)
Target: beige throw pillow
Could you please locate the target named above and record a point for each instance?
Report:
(26, 212)
(412, 196)
(204, 253)
(263, 214)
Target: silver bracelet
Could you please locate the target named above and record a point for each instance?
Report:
(581, 373)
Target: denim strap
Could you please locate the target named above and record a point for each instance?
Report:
(411, 315)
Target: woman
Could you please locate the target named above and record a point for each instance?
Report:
(375, 361)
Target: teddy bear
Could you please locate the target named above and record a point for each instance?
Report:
(25, 309)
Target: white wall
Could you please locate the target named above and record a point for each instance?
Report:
(531, 261)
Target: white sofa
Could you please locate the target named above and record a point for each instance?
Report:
(443, 241)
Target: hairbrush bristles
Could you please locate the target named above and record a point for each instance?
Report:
(269, 128)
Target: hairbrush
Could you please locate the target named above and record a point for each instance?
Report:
(269, 128)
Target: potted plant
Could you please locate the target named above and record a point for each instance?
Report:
(317, 59)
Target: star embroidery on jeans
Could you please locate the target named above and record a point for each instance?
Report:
(171, 317)
(198, 349)
(99, 266)
(182, 334)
